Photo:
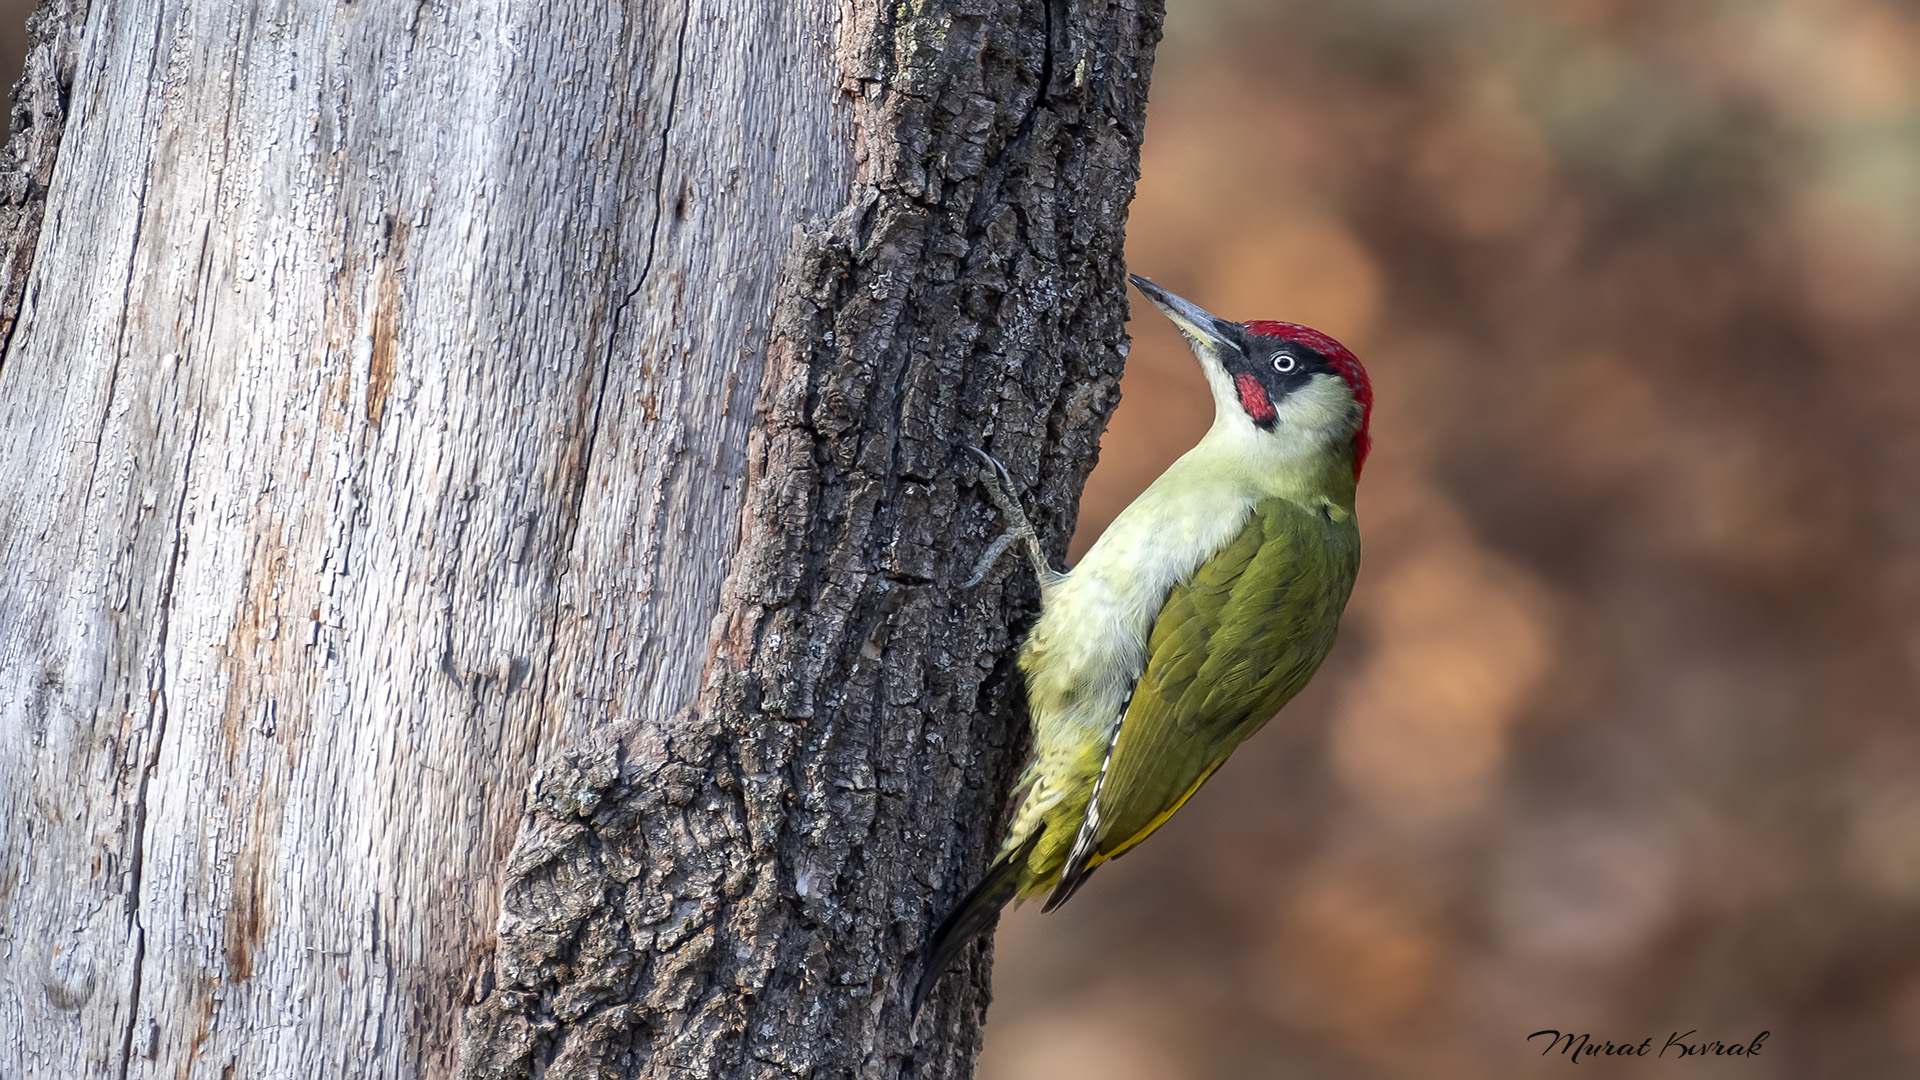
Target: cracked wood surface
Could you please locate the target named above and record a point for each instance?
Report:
(480, 511)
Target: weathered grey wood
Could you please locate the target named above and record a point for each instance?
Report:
(395, 389)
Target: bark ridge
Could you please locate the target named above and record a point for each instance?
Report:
(743, 890)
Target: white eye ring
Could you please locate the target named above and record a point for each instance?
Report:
(1283, 363)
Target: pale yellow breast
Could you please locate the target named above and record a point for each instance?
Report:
(1089, 646)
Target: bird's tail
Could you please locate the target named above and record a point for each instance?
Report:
(975, 912)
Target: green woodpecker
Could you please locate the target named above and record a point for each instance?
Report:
(1205, 606)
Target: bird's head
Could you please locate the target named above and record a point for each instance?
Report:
(1278, 379)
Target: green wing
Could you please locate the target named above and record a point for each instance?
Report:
(1232, 644)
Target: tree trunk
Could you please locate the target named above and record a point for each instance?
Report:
(480, 514)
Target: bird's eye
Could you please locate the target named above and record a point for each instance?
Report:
(1283, 363)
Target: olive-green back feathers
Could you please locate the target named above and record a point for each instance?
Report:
(1232, 644)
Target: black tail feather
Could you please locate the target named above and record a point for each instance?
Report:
(1069, 884)
(975, 912)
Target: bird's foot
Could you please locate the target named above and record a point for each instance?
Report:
(999, 484)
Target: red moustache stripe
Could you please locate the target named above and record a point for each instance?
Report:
(1253, 398)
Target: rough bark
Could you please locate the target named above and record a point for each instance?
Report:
(410, 402)
(26, 165)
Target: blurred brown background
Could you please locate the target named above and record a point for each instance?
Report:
(13, 53)
(1623, 731)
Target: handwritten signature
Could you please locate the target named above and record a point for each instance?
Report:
(1580, 1046)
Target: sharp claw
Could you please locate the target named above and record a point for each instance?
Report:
(992, 462)
(995, 474)
(999, 484)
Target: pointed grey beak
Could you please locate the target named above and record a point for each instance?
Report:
(1193, 320)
